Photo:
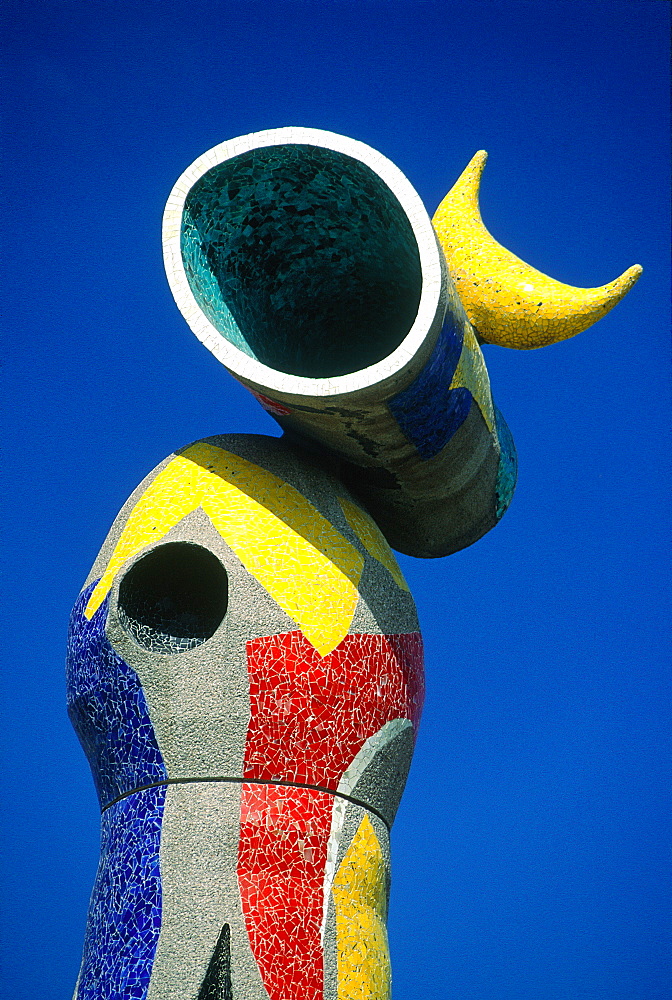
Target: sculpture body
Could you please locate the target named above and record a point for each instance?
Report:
(272, 712)
(244, 663)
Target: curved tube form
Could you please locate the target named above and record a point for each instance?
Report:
(509, 302)
(306, 263)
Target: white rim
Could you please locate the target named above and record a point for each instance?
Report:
(249, 369)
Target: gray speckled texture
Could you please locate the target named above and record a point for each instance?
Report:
(199, 852)
(382, 783)
(453, 503)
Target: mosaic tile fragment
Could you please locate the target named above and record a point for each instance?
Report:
(310, 715)
(108, 709)
(281, 861)
(361, 910)
(429, 411)
(125, 911)
(372, 539)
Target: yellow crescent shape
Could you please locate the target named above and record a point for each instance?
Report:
(508, 302)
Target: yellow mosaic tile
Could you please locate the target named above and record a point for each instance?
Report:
(509, 302)
(372, 539)
(472, 374)
(304, 563)
(361, 936)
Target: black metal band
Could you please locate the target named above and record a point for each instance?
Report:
(247, 781)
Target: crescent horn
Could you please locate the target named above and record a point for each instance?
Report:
(507, 301)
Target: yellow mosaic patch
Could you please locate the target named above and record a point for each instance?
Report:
(304, 563)
(472, 374)
(361, 936)
(509, 302)
(372, 539)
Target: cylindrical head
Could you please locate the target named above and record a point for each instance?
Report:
(304, 260)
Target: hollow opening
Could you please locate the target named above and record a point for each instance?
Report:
(303, 258)
(174, 598)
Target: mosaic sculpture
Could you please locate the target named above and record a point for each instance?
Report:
(244, 664)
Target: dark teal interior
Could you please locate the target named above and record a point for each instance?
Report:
(303, 258)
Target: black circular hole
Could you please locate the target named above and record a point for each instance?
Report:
(174, 598)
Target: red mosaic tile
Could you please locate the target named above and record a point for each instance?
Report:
(310, 715)
(281, 864)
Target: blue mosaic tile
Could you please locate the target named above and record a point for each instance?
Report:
(107, 707)
(125, 911)
(507, 472)
(428, 411)
(303, 258)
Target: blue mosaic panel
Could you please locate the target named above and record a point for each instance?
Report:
(125, 911)
(508, 465)
(107, 707)
(428, 411)
(303, 258)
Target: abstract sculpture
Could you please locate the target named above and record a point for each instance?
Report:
(244, 664)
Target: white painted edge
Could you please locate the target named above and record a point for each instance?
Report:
(249, 369)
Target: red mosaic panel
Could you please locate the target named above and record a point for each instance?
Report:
(281, 865)
(310, 715)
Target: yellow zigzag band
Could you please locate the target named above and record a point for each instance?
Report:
(303, 562)
(372, 539)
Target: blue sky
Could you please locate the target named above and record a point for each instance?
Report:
(531, 852)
